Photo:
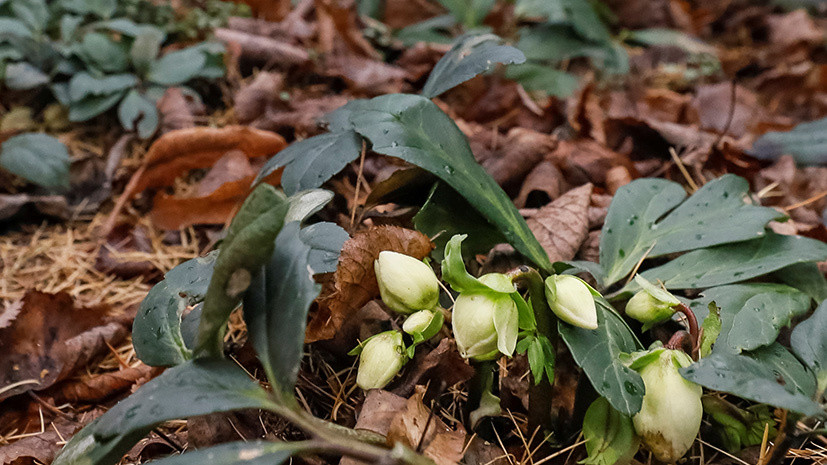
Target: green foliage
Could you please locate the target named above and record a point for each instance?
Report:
(97, 54)
(807, 143)
(38, 158)
(610, 435)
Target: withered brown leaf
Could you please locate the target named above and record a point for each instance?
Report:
(354, 282)
(562, 226)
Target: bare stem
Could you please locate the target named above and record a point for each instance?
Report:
(694, 329)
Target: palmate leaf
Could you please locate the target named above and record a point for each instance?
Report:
(414, 129)
(469, 56)
(751, 314)
(276, 305)
(596, 352)
(770, 375)
(649, 218)
(197, 387)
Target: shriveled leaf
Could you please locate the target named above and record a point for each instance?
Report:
(236, 453)
(609, 434)
(354, 282)
(156, 332)
(809, 342)
(446, 214)
(178, 152)
(469, 56)
(597, 351)
(275, 308)
(439, 443)
(732, 263)
(770, 375)
(563, 225)
(38, 158)
(807, 143)
(172, 213)
(716, 214)
(309, 163)
(48, 339)
(39, 448)
(414, 129)
(752, 314)
(194, 388)
(248, 245)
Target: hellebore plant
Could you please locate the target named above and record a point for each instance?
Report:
(380, 359)
(486, 323)
(652, 304)
(570, 298)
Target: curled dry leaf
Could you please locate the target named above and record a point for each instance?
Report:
(372, 77)
(562, 226)
(441, 366)
(177, 112)
(543, 184)
(584, 160)
(90, 389)
(262, 49)
(178, 152)
(508, 159)
(39, 448)
(252, 100)
(354, 282)
(50, 339)
(439, 442)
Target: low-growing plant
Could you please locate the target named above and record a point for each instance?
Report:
(719, 274)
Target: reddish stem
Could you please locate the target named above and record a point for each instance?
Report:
(694, 330)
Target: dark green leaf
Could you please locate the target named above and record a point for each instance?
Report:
(544, 78)
(92, 106)
(731, 263)
(157, 333)
(770, 375)
(716, 214)
(326, 241)
(807, 143)
(23, 76)
(809, 341)
(577, 13)
(433, 30)
(138, 112)
(236, 453)
(597, 352)
(752, 314)
(414, 129)
(275, 309)
(177, 67)
(104, 53)
(197, 387)
(248, 245)
(446, 214)
(672, 38)
(145, 48)
(10, 26)
(35, 13)
(309, 163)
(469, 56)
(609, 434)
(468, 12)
(807, 278)
(39, 158)
(84, 85)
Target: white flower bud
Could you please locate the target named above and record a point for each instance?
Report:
(405, 283)
(670, 417)
(485, 324)
(570, 299)
(424, 322)
(383, 355)
(651, 305)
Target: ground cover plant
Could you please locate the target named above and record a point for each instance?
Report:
(409, 281)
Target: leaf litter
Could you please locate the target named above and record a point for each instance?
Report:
(561, 159)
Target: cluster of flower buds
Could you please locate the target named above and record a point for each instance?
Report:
(670, 417)
(409, 287)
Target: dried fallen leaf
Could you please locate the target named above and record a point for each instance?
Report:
(252, 100)
(90, 389)
(441, 366)
(39, 448)
(439, 442)
(543, 184)
(562, 226)
(372, 77)
(176, 111)
(262, 49)
(50, 339)
(508, 159)
(354, 282)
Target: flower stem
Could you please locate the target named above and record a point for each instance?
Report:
(694, 330)
(539, 395)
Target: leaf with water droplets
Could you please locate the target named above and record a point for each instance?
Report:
(809, 341)
(770, 375)
(718, 213)
(414, 129)
(469, 56)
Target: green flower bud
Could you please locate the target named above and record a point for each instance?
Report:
(405, 283)
(485, 324)
(383, 355)
(570, 299)
(651, 305)
(424, 322)
(670, 417)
